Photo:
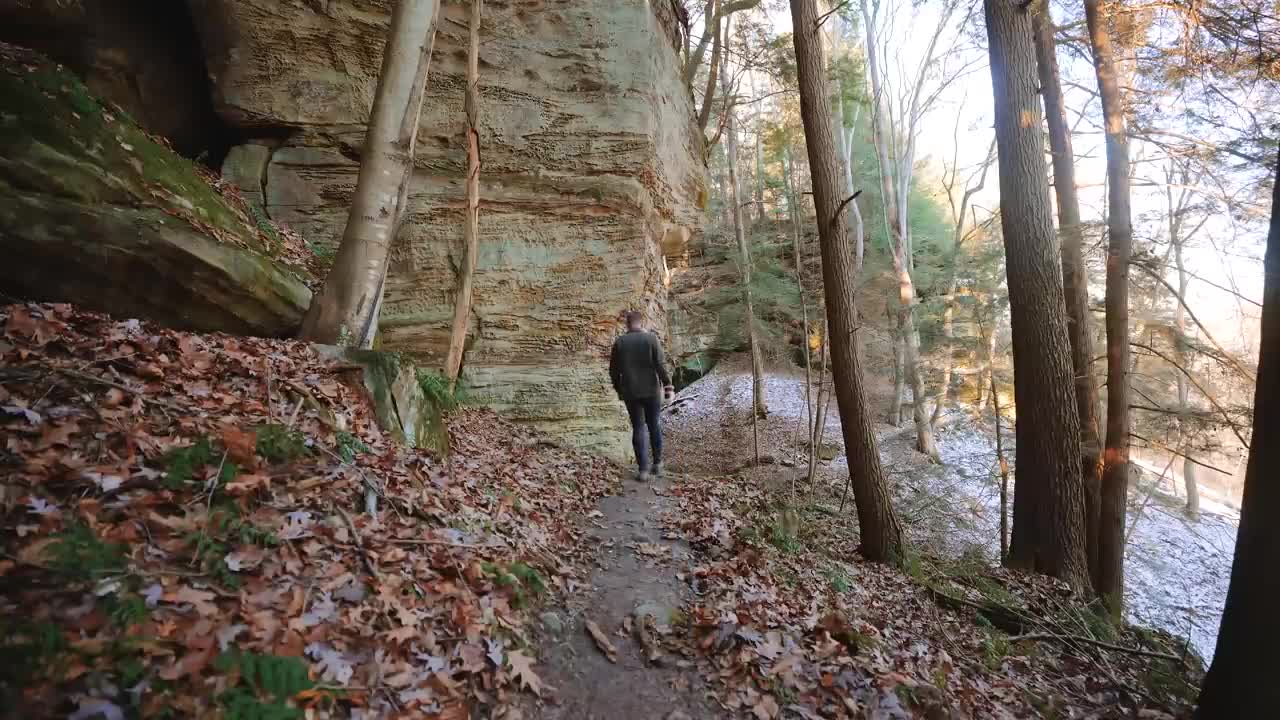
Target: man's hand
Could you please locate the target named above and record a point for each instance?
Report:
(668, 393)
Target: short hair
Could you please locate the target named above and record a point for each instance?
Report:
(632, 317)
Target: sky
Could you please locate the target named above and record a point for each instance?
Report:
(960, 127)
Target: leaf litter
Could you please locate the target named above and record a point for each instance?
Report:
(175, 543)
(791, 622)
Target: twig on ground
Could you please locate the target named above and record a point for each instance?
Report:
(1090, 641)
(355, 536)
(446, 543)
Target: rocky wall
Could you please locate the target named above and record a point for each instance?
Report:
(591, 160)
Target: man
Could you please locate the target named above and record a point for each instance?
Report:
(639, 376)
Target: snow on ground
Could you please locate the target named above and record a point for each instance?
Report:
(1177, 570)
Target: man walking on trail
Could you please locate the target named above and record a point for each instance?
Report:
(639, 376)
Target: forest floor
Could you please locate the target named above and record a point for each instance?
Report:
(185, 533)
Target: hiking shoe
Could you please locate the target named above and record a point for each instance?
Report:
(644, 476)
(657, 471)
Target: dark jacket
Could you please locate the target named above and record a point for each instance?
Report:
(636, 366)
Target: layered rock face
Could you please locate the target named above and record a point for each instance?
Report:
(592, 169)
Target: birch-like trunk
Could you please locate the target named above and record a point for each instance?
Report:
(471, 224)
(345, 311)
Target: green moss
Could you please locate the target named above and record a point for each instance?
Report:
(57, 137)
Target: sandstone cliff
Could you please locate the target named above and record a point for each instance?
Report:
(590, 161)
(592, 165)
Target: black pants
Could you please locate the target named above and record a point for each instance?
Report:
(646, 429)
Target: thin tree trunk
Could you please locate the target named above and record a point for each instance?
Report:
(471, 225)
(1241, 682)
(345, 311)
(1004, 476)
(911, 356)
(793, 211)
(899, 373)
(1184, 388)
(895, 208)
(1115, 473)
(878, 523)
(759, 153)
(713, 70)
(987, 377)
(820, 422)
(1048, 508)
(1075, 279)
(744, 258)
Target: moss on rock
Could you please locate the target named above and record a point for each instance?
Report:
(403, 409)
(96, 212)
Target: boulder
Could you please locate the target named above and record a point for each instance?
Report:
(95, 212)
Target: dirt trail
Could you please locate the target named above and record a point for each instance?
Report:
(635, 575)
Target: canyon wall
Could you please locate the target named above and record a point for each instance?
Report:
(590, 161)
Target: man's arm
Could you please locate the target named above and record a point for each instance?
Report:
(660, 363)
(615, 372)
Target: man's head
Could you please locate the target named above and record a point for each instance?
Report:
(633, 320)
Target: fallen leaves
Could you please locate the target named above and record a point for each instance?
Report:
(137, 450)
(522, 670)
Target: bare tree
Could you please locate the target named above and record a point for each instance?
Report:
(961, 234)
(896, 184)
(471, 225)
(715, 33)
(1115, 474)
(878, 523)
(759, 409)
(346, 309)
(1048, 508)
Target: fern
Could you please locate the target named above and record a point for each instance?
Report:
(278, 678)
(181, 463)
(242, 704)
(79, 554)
(436, 387)
(277, 443)
(349, 446)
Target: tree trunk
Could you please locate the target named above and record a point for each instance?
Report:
(819, 422)
(1115, 473)
(899, 374)
(1004, 476)
(911, 354)
(471, 224)
(1241, 682)
(948, 334)
(345, 311)
(1048, 502)
(793, 207)
(1184, 388)
(1075, 279)
(878, 523)
(756, 131)
(895, 208)
(713, 70)
(744, 259)
(986, 378)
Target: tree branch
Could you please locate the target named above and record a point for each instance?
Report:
(1225, 416)
(841, 206)
(1227, 357)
